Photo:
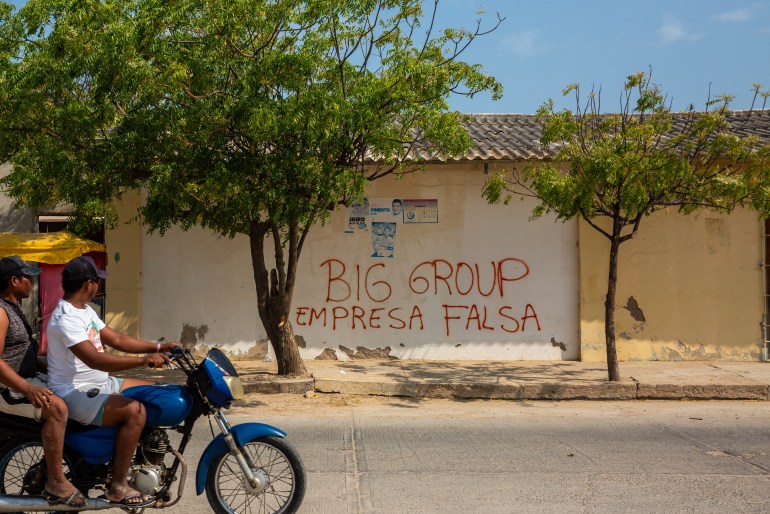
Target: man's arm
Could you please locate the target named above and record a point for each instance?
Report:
(86, 352)
(128, 344)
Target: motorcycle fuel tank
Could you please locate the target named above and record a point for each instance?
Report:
(167, 405)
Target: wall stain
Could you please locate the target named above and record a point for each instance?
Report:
(559, 344)
(717, 235)
(300, 341)
(632, 306)
(191, 335)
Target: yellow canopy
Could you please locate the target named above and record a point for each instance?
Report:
(50, 248)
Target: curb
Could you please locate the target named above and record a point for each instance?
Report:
(284, 385)
(541, 391)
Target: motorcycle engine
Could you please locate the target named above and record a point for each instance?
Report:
(147, 474)
(145, 479)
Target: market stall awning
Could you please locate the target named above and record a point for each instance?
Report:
(51, 248)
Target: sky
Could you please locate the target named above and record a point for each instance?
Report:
(692, 47)
(544, 45)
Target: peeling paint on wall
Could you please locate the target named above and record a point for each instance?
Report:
(300, 341)
(327, 355)
(685, 352)
(366, 353)
(256, 351)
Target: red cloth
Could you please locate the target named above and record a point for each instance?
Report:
(51, 292)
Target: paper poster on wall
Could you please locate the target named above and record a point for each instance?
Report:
(383, 239)
(385, 214)
(420, 210)
(386, 210)
(358, 216)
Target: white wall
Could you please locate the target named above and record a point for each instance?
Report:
(527, 270)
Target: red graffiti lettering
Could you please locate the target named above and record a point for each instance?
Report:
(481, 321)
(314, 314)
(338, 288)
(511, 318)
(476, 318)
(336, 279)
(494, 280)
(300, 316)
(380, 283)
(465, 277)
(393, 317)
(529, 313)
(447, 317)
(517, 268)
(425, 284)
(356, 317)
(338, 313)
(374, 318)
(358, 314)
(437, 276)
(416, 314)
(460, 267)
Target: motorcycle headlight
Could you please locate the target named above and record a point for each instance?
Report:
(236, 387)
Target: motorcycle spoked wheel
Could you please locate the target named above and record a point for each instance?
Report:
(274, 457)
(22, 466)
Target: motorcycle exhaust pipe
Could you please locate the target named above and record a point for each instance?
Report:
(14, 503)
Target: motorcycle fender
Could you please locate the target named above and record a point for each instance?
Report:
(243, 433)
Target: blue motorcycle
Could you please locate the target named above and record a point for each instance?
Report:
(247, 468)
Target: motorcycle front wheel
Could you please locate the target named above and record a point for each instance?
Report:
(22, 466)
(275, 462)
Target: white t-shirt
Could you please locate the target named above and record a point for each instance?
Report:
(67, 327)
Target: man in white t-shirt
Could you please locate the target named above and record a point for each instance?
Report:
(78, 370)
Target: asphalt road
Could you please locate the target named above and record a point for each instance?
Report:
(390, 455)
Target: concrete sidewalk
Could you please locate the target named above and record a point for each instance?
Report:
(519, 380)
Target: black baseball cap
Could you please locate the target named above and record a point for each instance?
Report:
(82, 267)
(13, 266)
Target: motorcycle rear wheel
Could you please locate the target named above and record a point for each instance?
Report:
(273, 457)
(22, 466)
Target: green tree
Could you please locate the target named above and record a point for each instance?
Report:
(253, 117)
(612, 170)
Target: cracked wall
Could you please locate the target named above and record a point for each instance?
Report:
(689, 288)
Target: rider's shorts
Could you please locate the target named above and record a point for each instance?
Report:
(86, 402)
(12, 402)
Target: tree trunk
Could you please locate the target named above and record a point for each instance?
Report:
(274, 303)
(609, 304)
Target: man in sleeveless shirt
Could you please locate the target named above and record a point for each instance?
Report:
(19, 378)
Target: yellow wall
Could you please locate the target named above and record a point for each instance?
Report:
(124, 266)
(696, 279)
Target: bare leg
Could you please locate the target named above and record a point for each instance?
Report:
(55, 416)
(131, 382)
(129, 416)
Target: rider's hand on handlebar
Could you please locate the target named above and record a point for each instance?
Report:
(155, 360)
(168, 346)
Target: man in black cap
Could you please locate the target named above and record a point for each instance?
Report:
(20, 380)
(78, 369)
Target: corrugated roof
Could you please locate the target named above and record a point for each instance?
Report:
(515, 137)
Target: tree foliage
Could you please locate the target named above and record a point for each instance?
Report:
(247, 117)
(623, 166)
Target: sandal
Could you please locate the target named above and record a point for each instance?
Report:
(128, 501)
(76, 499)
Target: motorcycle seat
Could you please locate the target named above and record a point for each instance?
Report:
(11, 397)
